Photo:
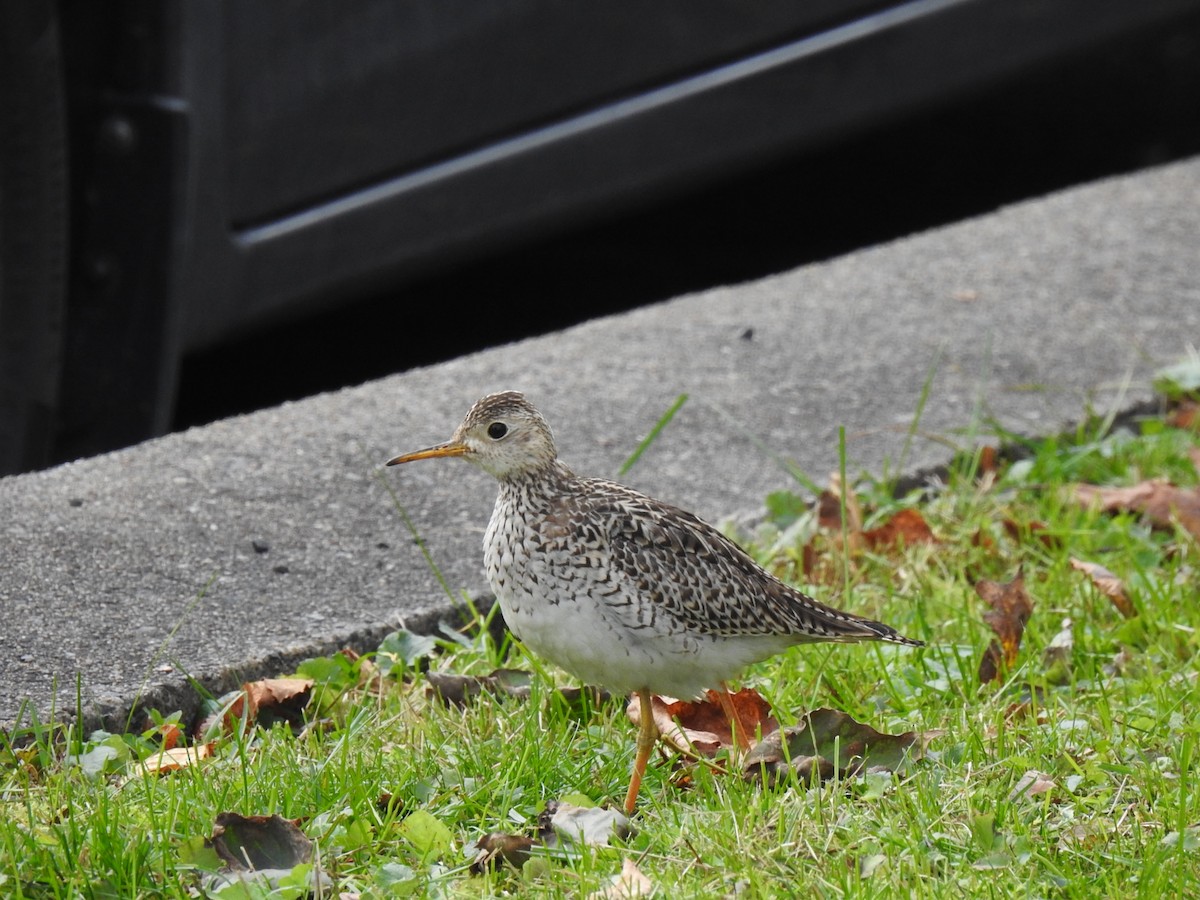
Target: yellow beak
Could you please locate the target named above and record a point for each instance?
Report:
(451, 448)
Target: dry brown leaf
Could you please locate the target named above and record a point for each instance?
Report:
(1162, 503)
(818, 564)
(1108, 584)
(559, 825)
(496, 848)
(461, 690)
(821, 559)
(827, 741)
(702, 727)
(829, 507)
(247, 843)
(171, 734)
(223, 720)
(1011, 608)
(1031, 784)
(829, 511)
(261, 703)
(988, 460)
(173, 759)
(1185, 415)
(905, 528)
(282, 697)
(389, 804)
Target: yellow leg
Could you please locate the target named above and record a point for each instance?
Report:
(647, 735)
(735, 721)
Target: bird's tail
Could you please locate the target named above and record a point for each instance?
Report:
(814, 621)
(888, 633)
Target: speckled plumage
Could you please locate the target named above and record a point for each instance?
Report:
(620, 589)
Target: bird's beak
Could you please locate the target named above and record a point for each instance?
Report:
(450, 448)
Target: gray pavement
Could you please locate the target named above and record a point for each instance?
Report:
(130, 569)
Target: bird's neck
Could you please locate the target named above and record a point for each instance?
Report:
(545, 481)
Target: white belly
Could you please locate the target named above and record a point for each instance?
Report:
(557, 608)
(562, 600)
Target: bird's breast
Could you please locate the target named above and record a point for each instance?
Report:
(513, 558)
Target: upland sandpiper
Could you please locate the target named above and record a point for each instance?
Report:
(619, 589)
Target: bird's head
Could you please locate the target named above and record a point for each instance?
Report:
(503, 434)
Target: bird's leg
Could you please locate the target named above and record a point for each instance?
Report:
(735, 721)
(647, 735)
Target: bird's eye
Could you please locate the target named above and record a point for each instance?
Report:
(497, 430)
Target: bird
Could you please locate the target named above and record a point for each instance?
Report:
(619, 589)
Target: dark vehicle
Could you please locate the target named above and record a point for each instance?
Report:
(178, 177)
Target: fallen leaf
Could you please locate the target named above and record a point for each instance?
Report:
(870, 863)
(247, 843)
(1031, 784)
(631, 883)
(169, 735)
(461, 690)
(1011, 608)
(172, 759)
(1108, 584)
(1188, 839)
(592, 825)
(1185, 415)
(498, 848)
(826, 742)
(454, 690)
(427, 834)
(829, 511)
(389, 804)
(1162, 503)
(829, 507)
(906, 528)
(278, 699)
(702, 727)
(819, 564)
(988, 460)
(220, 716)
(561, 826)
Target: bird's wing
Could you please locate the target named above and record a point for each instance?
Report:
(672, 564)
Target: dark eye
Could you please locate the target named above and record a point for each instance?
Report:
(497, 430)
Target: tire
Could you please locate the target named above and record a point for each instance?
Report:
(33, 231)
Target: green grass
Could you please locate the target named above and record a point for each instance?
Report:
(1115, 732)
